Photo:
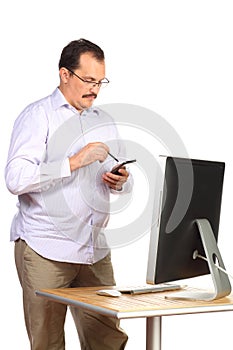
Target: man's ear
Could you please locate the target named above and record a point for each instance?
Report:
(64, 74)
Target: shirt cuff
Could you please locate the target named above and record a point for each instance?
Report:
(65, 168)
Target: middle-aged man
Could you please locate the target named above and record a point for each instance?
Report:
(60, 168)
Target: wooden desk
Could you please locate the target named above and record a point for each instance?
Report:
(152, 306)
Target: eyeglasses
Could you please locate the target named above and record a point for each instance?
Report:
(102, 83)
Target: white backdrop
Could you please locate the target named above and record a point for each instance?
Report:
(173, 57)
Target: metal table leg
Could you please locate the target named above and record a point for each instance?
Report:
(153, 333)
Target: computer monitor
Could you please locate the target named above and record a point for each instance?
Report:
(185, 225)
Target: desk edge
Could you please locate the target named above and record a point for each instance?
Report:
(77, 303)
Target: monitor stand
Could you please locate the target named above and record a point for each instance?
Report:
(222, 286)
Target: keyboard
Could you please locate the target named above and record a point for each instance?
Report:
(148, 288)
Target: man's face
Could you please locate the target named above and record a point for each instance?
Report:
(79, 94)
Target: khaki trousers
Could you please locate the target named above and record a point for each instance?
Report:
(45, 319)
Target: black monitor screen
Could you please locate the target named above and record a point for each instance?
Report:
(188, 189)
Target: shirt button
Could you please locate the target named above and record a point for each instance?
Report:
(90, 259)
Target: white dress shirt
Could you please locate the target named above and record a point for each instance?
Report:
(61, 215)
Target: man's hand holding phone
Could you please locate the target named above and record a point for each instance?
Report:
(118, 176)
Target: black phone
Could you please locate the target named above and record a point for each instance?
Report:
(121, 165)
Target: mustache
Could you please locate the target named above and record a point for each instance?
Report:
(90, 95)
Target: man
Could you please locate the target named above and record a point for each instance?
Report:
(60, 168)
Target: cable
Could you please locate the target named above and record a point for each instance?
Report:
(197, 255)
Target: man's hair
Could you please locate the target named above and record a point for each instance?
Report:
(70, 56)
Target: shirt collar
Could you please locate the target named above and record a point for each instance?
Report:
(58, 99)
